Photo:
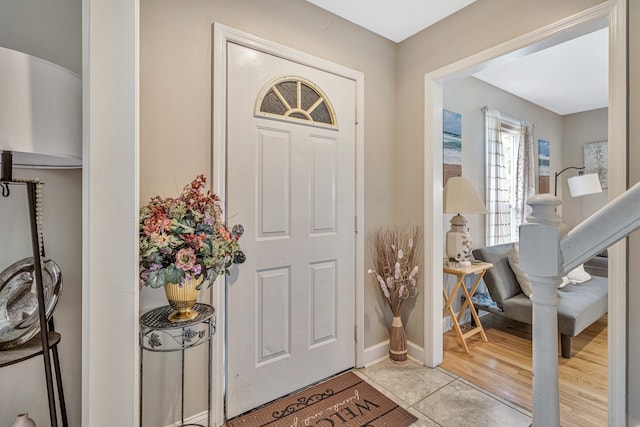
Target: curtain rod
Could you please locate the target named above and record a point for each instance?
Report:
(485, 108)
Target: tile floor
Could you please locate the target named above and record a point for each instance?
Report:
(440, 398)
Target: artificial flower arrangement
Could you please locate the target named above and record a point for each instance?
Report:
(183, 238)
(395, 253)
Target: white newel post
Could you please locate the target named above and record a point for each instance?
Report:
(540, 258)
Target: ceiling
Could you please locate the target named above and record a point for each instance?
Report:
(567, 78)
(395, 20)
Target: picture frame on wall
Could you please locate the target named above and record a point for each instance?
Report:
(451, 145)
(596, 160)
(543, 166)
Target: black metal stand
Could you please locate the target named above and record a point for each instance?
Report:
(49, 339)
(555, 185)
(158, 334)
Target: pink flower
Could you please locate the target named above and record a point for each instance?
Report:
(151, 226)
(185, 259)
(165, 224)
(222, 231)
(194, 240)
(156, 224)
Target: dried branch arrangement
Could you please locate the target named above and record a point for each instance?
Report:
(395, 254)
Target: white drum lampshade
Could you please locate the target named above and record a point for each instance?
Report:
(460, 196)
(40, 113)
(581, 185)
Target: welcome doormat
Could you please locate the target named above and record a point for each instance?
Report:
(345, 401)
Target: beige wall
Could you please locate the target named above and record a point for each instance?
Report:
(566, 134)
(176, 95)
(471, 30)
(467, 96)
(176, 103)
(580, 129)
(176, 87)
(175, 108)
(49, 30)
(175, 113)
(633, 323)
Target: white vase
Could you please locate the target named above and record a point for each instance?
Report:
(23, 420)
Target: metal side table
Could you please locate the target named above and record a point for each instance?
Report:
(158, 334)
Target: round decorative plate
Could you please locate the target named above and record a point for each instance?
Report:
(19, 318)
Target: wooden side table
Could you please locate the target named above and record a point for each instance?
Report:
(478, 269)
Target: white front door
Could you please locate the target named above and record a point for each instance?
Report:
(291, 183)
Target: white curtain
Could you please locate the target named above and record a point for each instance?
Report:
(498, 218)
(525, 185)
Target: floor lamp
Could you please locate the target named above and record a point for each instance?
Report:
(580, 184)
(40, 127)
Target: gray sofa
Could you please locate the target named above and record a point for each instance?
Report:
(598, 265)
(580, 304)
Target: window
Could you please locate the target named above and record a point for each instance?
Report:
(509, 175)
(510, 138)
(296, 98)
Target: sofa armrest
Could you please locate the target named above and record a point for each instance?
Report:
(597, 266)
(500, 280)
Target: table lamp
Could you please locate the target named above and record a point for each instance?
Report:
(581, 184)
(40, 127)
(460, 196)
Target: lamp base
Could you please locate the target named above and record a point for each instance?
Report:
(459, 243)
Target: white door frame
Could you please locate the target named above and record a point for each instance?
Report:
(221, 36)
(615, 12)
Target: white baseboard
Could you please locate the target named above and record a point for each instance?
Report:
(447, 324)
(376, 353)
(415, 351)
(200, 418)
(380, 351)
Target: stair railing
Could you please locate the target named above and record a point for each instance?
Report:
(548, 250)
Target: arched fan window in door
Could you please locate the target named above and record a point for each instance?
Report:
(296, 98)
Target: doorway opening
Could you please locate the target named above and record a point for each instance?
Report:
(612, 14)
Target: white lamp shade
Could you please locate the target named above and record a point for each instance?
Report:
(40, 112)
(580, 185)
(460, 196)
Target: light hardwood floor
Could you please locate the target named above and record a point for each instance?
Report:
(503, 367)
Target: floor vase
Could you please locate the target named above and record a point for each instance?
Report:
(397, 341)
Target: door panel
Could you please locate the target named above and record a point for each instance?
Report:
(322, 279)
(291, 313)
(272, 326)
(323, 190)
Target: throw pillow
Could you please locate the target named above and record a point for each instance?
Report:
(565, 282)
(578, 275)
(522, 277)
